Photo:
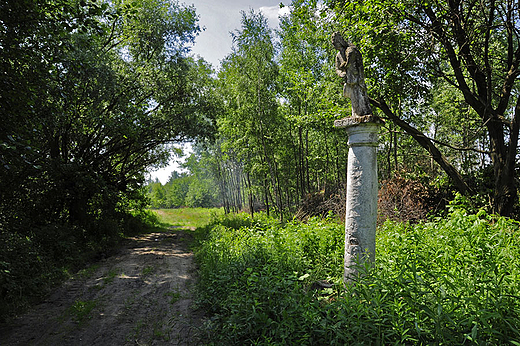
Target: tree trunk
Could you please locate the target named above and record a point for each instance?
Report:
(222, 186)
(338, 168)
(307, 160)
(272, 170)
(504, 159)
(251, 206)
(301, 163)
(266, 196)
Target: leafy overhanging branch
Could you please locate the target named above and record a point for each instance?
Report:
(427, 144)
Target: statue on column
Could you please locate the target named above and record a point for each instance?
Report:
(349, 66)
(362, 130)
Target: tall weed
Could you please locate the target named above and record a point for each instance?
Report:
(452, 281)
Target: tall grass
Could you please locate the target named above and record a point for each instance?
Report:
(453, 281)
(187, 217)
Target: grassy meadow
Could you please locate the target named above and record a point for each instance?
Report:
(451, 281)
(187, 217)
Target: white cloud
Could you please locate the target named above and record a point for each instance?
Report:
(273, 12)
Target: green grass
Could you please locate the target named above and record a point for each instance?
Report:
(452, 281)
(87, 272)
(174, 296)
(187, 217)
(80, 311)
(149, 270)
(110, 276)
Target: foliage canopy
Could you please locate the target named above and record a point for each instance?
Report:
(91, 94)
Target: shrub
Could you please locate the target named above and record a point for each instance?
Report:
(26, 271)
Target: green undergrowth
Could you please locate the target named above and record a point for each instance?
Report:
(452, 281)
(80, 311)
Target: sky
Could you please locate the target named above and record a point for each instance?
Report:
(218, 18)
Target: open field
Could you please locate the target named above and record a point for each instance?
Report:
(187, 217)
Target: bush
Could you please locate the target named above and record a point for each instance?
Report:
(26, 271)
(257, 275)
(452, 281)
(138, 221)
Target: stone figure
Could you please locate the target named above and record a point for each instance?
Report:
(349, 66)
(362, 130)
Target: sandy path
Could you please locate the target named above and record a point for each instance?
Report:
(142, 295)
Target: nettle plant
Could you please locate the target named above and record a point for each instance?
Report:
(450, 281)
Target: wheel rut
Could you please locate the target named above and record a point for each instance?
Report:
(142, 295)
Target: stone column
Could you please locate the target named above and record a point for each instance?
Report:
(362, 188)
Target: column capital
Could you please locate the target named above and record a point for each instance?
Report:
(362, 131)
(357, 120)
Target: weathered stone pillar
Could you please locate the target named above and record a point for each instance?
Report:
(362, 188)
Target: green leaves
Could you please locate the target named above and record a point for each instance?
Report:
(451, 281)
(417, 53)
(279, 100)
(91, 94)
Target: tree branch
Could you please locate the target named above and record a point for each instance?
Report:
(513, 142)
(427, 144)
(438, 31)
(486, 49)
(509, 82)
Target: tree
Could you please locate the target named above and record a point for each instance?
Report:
(309, 89)
(107, 95)
(157, 195)
(251, 121)
(277, 144)
(471, 45)
(91, 94)
(177, 188)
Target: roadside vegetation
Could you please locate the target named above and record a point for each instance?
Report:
(452, 281)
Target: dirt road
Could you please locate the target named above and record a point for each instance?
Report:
(142, 295)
